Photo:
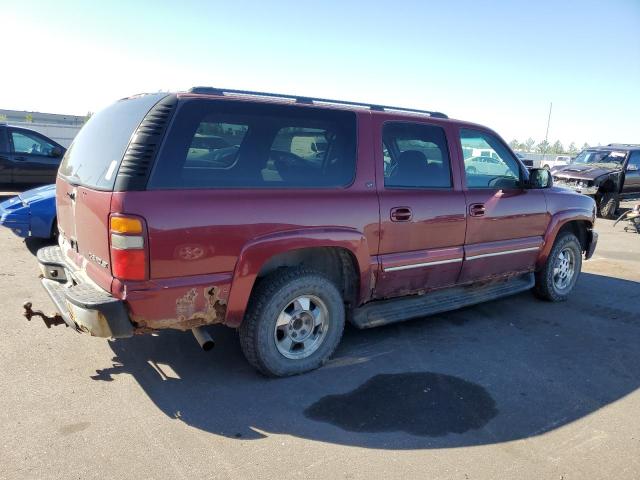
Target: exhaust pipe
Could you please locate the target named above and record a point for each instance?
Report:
(203, 338)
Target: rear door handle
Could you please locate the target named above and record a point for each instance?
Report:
(401, 214)
(476, 209)
(20, 159)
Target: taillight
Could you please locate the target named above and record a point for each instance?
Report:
(128, 248)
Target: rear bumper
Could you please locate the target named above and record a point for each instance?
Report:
(83, 306)
(592, 241)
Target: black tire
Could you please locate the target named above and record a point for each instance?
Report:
(270, 297)
(608, 205)
(545, 286)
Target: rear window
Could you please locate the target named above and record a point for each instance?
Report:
(214, 144)
(94, 156)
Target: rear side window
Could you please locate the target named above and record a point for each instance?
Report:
(214, 144)
(415, 156)
(94, 156)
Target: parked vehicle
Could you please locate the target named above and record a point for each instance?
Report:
(381, 225)
(486, 166)
(27, 156)
(525, 161)
(557, 162)
(31, 213)
(605, 173)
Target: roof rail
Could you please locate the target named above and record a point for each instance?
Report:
(312, 100)
(624, 145)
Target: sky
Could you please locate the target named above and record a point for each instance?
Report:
(497, 63)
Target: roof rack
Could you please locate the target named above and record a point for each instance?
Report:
(624, 145)
(312, 100)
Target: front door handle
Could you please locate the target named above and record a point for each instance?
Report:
(476, 209)
(401, 214)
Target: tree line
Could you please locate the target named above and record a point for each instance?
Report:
(545, 147)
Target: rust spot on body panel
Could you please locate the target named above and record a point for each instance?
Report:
(192, 310)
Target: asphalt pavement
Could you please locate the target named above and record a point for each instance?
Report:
(515, 388)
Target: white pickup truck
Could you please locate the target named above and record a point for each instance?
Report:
(559, 161)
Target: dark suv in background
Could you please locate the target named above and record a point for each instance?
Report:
(605, 173)
(27, 156)
(285, 217)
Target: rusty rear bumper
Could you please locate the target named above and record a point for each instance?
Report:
(82, 305)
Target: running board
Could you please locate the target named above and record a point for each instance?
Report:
(384, 312)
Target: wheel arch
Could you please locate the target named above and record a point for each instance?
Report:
(341, 254)
(578, 222)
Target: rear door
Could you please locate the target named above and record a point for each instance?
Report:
(506, 222)
(86, 181)
(33, 157)
(422, 208)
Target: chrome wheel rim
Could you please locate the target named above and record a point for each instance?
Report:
(564, 269)
(301, 327)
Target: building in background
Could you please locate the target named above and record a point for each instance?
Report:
(61, 128)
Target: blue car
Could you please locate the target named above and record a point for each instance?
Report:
(32, 213)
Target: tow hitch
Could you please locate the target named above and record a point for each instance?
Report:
(56, 319)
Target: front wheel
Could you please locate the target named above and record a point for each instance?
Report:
(555, 281)
(608, 205)
(293, 324)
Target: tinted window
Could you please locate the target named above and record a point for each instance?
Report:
(256, 145)
(31, 143)
(215, 144)
(415, 156)
(634, 159)
(94, 156)
(487, 162)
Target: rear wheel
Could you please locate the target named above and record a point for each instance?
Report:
(608, 205)
(293, 324)
(555, 281)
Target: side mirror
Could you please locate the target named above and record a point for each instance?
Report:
(56, 152)
(540, 178)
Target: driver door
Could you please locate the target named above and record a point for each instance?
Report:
(505, 223)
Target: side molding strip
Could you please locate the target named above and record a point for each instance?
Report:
(456, 260)
(425, 264)
(505, 252)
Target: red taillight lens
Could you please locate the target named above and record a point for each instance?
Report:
(128, 264)
(128, 248)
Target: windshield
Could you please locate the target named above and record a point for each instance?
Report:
(598, 156)
(94, 156)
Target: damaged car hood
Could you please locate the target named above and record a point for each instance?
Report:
(583, 172)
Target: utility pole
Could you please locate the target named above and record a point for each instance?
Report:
(546, 135)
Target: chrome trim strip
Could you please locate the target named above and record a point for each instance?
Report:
(418, 265)
(504, 252)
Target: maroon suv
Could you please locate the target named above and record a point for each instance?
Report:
(284, 217)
